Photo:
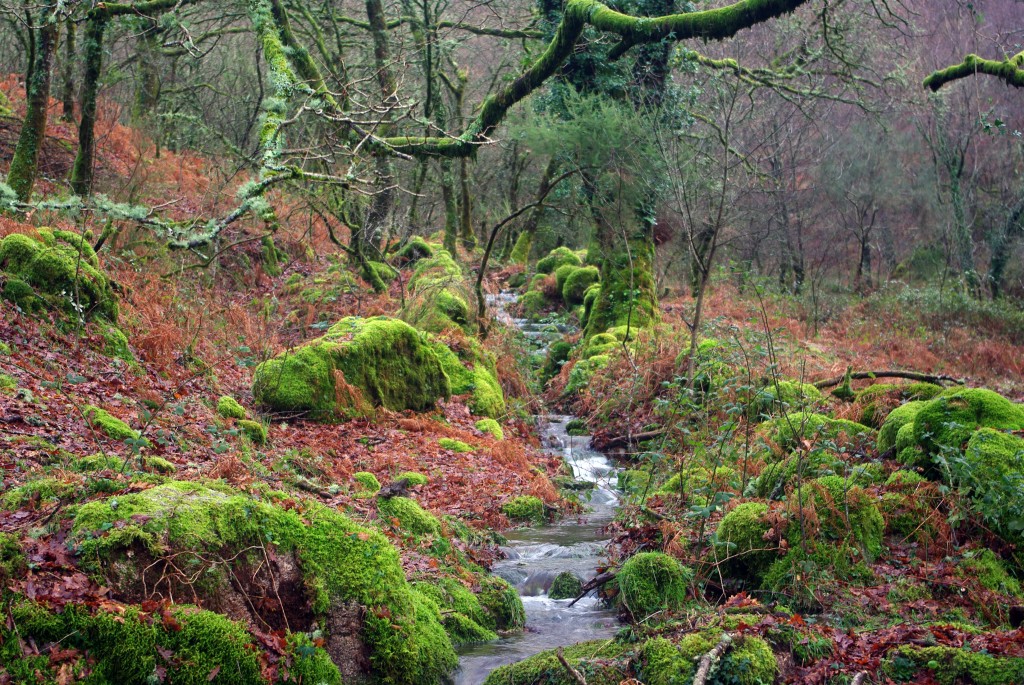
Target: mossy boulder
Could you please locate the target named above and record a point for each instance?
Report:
(948, 421)
(345, 578)
(229, 408)
(438, 294)
(951, 666)
(366, 482)
(650, 582)
(633, 481)
(501, 603)
(413, 478)
(378, 275)
(700, 480)
(990, 572)
(894, 421)
(787, 431)
(566, 585)
(577, 283)
(111, 426)
(583, 371)
(525, 508)
(558, 354)
(848, 514)
(749, 661)
(254, 430)
(414, 250)
(600, 344)
(358, 365)
(491, 427)
(532, 304)
(558, 257)
(876, 401)
(455, 445)
(463, 617)
(57, 272)
(601, 662)
(408, 516)
(472, 371)
(742, 548)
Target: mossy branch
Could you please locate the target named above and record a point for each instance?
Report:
(1010, 70)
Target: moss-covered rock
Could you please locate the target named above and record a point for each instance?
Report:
(951, 666)
(583, 371)
(600, 344)
(413, 478)
(650, 582)
(254, 430)
(532, 304)
(59, 271)
(847, 514)
(366, 482)
(378, 275)
(229, 408)
(502, 604)
(558, 354)
(948, 421)
(115, 342)
(787, 431)
(700, 480)
(990, 572)
(750, 660)
(562, 274)
(472, 371)
(525, 508)
(111, 426)
(359, 364)
(333, 566)
(464, 618)
(438, 293)
(577, 283)
(601, 662)
(408, 516)
(633, 481)
(897, 419)
(455, 445)
(742, 548)
(566, 585)
(491, 427)
(560, 256)
(8, 384)
(416, 249)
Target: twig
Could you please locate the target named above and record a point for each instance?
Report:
(910, 375)
(592, 584)
(859, 678)
(576, 675)
(709, 659)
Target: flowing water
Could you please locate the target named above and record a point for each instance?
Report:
(534, 556)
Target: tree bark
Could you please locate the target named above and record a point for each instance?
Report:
(82, 171)
(21, 176)
(67, 95)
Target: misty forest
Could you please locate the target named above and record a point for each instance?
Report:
(512, 342)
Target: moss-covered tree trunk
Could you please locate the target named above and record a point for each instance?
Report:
(147, 88)
(25, 164)
(1001, 246)
(82, 171)
(67, 89)
(524, 243)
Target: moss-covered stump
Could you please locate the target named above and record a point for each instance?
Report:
(358, 365)
(182, 644)
(57, 272)
(298, 569)
(650, 582)
(601, 662)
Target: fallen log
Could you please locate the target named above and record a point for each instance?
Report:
(909, 375)
(627, 440)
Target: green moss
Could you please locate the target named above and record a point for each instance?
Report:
(491, 427)
(650, 582)
(412, 478)
(464, 619)
(633, 481)
(13, 563)
(577, 427)
(949, 420)
(502, 604)
(897, 419)
(950, 666)
(583, 371)
(566, 585)
(478, 379)
(229, 408)
(989, 570)
(785, 396)
(562, 274)
(112, 427)
(524, 508)
(125, 648)
(700, 480)
(382, 361)
(339, 560)
(558, 354)
(115, 343)
(61, 272)
(8, 384)
(416, 249)
(39, 490)
(601, 662)
(800, 574)
(160, 465)
(577, 283)
(560, 256)
(741, 547)
(903, 478)
(532, 304)
(378, 275)
(750, 661)
(779, 477)
(254, 430)
(920, 391)
(5, 349)
(601, 344)
(309, 663)
(589, 298)
(455, 445)
(787, 431)
(99, 462)
(366, 482)
(411, 518)
(848, 514)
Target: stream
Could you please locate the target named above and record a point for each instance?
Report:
(534, 556)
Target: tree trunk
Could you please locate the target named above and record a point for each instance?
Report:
(82, 172)
(451, 212)
(524, 243)
(465, 207)
(25, 164)
(381, 207)
(67, 94)
(147, 89)
(1001, 246)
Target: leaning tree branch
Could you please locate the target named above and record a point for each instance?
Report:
(909, 375)
(1010, 70)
